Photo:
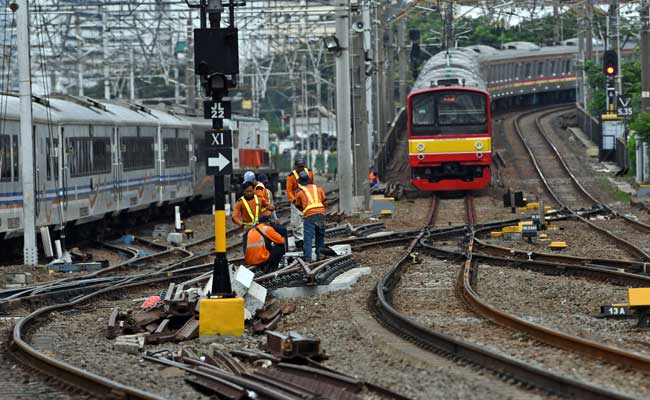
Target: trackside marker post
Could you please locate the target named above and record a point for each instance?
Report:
(216, 61)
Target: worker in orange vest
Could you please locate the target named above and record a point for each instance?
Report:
(249, 207)
(312, 202)
(296, 223)
(264, 246)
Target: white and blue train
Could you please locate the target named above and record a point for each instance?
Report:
(96, 160)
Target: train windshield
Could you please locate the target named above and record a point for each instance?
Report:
(449, 112)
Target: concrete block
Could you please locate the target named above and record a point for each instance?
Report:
(341, 282)
(175, 238)
(342, 249)
(255, 298)
(244, 276)
(131, 344)
(160, 231)
(18, 278)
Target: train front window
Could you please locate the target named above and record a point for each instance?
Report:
(449, 112)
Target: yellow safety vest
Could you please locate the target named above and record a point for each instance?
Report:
(313, 200)
(295, 174)
(256, 217)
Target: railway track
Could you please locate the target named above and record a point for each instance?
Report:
(561, 183)
(481, 356)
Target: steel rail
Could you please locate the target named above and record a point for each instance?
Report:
(467, 283)
(629, 246)
(480, 356)
(79, 378)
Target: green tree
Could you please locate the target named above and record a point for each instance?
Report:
(641, 125)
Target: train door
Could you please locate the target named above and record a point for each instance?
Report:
(40, 133)
(117, 169)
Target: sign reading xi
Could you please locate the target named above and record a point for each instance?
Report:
(218, 152)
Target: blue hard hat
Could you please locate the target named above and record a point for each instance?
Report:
(249, 176)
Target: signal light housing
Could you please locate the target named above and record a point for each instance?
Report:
(610, 63)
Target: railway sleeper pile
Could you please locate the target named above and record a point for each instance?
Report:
(174, 317)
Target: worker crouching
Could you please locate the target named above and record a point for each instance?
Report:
(264, 246)
(311, 200)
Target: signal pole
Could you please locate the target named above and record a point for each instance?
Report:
(216, 61)
(30, 251)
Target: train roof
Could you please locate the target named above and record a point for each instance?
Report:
(130, 114)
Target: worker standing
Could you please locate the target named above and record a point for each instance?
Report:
(264, 246)
(311, 200)
(296, 223)
(248, 208)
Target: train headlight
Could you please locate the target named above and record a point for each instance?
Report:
(420, 157)
(420, 147)
(479, 155)
(478, 145)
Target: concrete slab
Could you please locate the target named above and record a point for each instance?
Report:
(623, 186)
(341, 282)
(591, 147)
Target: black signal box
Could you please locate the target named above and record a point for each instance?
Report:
(216, 51)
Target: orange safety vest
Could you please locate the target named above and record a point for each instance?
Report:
(256, 217)
(295, 174)
(256, 251)
(314, 201)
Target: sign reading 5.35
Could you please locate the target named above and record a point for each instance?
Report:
(216, 109)
(624, 105)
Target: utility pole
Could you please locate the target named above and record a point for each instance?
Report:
(380, 53)
(361, 162)
(107, 82)
(556, 27)
(343, 125)
(449, 26)
(369, 59)
(80, 63)
(389, 83)
(645, 56)
(580, 72)
(131, 76)
(403, 60)
(30, 251)
(190, 94)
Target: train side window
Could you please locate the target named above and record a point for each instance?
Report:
(137, 153)
(528, 68)
(52, 159)
(552, 70)
(540, 68)
(176, 152)
(567, 66)
(5, 157)
(89, 156)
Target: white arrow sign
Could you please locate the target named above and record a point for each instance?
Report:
(220, 161)
(624, 102)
